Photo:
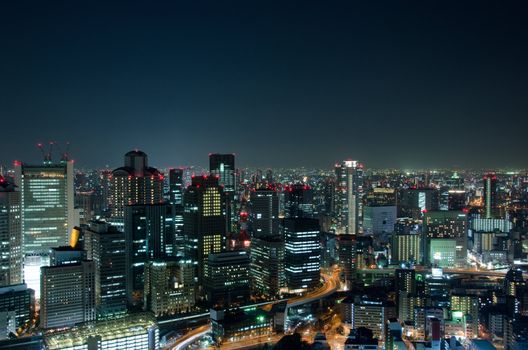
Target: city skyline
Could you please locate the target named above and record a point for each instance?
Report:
(297, 84)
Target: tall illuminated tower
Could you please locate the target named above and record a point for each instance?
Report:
(176, 186)
(349, 194)
(134, 183)
(299, 202)
(105, 245)
(223, 166)
(47, 212)
(264, 217)
(302, 253)
(149, 234)
(11, 255)
(204, 220)
(68, 288)
(490, 196)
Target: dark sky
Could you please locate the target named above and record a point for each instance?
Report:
(285, 83)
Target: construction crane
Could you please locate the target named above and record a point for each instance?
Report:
(46, 154)
(65, 155)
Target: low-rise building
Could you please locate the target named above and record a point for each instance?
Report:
(138, 332)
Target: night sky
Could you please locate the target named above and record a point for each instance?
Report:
(285, 83)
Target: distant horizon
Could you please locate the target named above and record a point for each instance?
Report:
(79, 166)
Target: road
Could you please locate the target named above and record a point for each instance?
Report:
(190, 338)
(251, 343)
(330, 285)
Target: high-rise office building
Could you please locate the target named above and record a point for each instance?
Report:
(134, 183)
(223, 166)
(47, 208)
(169, 286)
(491, 196)
(104, 191)
(105, 246)
(302, 253)
(445, 236)
(264, 212)
(176, 187)
(11, 254)
(267, 265)
(147, 230)
(204, 220)
(349, 196)
(416, 201)
(20, 299)
(347, 256)
(67, 289)
(299, 201)
(47, 196)
(456, 199)
(226, 278)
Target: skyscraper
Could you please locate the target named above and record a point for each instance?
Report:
(147, 229)
(47, 208)
(267, 265)
(491, 196)
(299, 201)
(347, 256)
(204, 220)
(223, 166)
(416, 201)
(169, 286)
(226, 278)
(302, 253)
(68, 289)
(11, 255)
(264, 212)
(47, 196)
(20, 299)
(176, 186)
(134, 183)
(105, 245)
(349, 195)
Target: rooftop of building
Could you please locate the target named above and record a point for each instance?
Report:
(129, 171)
(127, 326)
(67, 248)
(22, 287)
(136, 152)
